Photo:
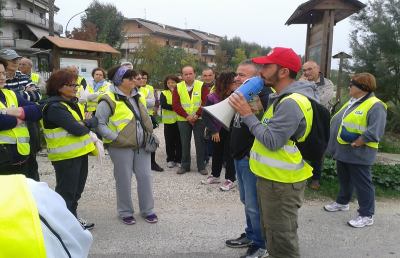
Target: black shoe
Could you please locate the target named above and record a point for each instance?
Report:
(156, 167)
(85, 224)
(241, 241)
(255, 252)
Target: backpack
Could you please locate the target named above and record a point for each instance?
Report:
(314, 146)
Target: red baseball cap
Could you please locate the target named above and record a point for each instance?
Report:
(282, 56)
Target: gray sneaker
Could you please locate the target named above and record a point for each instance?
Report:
(336, 207)
(361, 222)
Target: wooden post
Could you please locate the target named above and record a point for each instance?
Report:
(341, 56)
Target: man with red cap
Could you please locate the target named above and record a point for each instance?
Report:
(274, 158)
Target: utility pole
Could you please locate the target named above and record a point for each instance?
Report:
(51, 17)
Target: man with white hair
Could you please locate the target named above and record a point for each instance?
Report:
(25, 67)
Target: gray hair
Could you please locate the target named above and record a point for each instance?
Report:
(249, 62)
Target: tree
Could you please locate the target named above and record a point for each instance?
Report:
(108, 21)
(375, 42)
(240, 55)
(87, 32)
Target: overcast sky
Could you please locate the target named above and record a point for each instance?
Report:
(259, 21)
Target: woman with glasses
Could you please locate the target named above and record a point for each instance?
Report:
(14, 134)
(68, 138)
(356, 130)
(124, 125)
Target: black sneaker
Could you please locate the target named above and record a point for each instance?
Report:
(156, 167)
(241, 241)
(85, 224)
(255, 252)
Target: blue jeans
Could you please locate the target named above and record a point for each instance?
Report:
(248, 196)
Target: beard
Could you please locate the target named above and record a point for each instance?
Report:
(272, 81)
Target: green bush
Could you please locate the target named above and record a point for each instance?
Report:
(385, 176)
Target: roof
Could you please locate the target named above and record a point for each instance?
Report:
(205, 36)
(46, 42)
(163, 29)
(312, 11)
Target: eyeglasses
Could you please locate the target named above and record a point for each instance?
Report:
(73, 85)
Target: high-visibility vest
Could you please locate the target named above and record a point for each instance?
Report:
(20, 230)
(143, 92)
(62, 145)
(120, 118)
(189, 104)
(356, 121)
(92, 105)
(18, 135)
(168, 116)
(151, 93)
(285, 165)
(35, 77)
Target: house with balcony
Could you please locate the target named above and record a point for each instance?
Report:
(195, 42)
(25, 22)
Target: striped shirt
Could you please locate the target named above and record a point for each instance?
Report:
(20, 83)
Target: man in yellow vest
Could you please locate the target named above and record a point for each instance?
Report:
(187, 99)
(274, 158)
(25, 66)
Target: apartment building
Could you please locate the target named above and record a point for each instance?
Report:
(24, 22)
(195, 42)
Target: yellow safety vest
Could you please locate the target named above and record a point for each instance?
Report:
(285, 165)
(120, 118)
(35, 77)
(18, 135)
(92, 105)
(189, 104)
(168, 116)
(145, 91)
(20, 230)
(356, 121)
(62, 145)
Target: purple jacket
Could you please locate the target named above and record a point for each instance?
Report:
(211, 123)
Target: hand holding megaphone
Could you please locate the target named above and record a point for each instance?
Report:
(225, 110)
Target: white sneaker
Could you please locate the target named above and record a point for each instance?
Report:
(336, 207)
(170, 164)
(210, 180)
(361, 222)
(227, 185)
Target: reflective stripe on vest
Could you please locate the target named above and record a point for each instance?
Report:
(18, 135)
(168, 116)
(20, 231)
(285, 165)
(121, 117)
(35, 78)
(189, 103)
(92, 105)
(62, 145)
(357, 121)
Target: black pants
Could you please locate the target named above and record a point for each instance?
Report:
(71, 177)
(9, 169)
(317, 168)
(359, 177)
(35, 146)
(221, 154)
(173, 145)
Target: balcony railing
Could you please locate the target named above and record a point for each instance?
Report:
(15, 43)
(210, 52)
(27, 17)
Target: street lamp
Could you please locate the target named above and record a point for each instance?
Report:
(66, 27)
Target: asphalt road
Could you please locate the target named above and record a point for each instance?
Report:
(195, 220)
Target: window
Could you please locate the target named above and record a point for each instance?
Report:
(139, 25)
(31, 10)
(1, 33)
(19, 6)
(41, 15)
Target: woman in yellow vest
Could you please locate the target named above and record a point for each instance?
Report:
(96, 88)
(356, 130)
(14, 135)
(68, 138)
(173, 146)
(125, 125)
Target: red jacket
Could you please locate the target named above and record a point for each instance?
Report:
(177, 106)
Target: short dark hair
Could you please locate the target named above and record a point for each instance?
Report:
(143, 72)
(99, 69)
(127, 75)
(4, 63)
(188, 66)
(58, 79)
(170, 77)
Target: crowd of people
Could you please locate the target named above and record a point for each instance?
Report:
(118, 110)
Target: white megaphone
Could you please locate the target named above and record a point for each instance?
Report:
(223, 112)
